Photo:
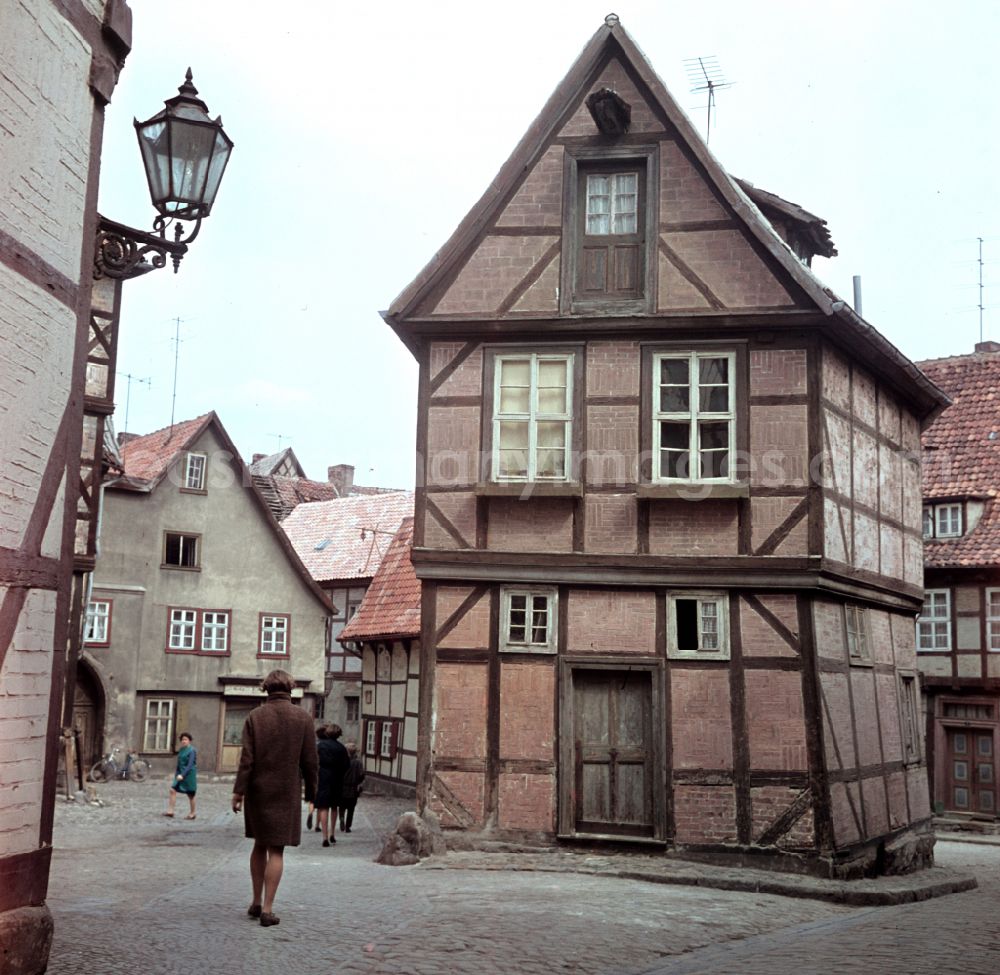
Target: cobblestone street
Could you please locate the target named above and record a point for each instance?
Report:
(131, 891)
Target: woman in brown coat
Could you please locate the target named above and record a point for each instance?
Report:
(279, 752)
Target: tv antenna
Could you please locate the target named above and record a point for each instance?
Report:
(704, 74)
(128, 391)
(177, 355)
(980, 239)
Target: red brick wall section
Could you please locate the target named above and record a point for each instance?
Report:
(837, 447)
(837, 531)
(767, 804)
(613, 369)
(675, 292)
(468, 788)
(889, 423)
(775, 720)
(904, 640)
(779, 445)
(866, 542)
(890, 472)
(531, 525)
(865, 719)
(760, 639)
(891, 551)
(538, 201)
(527, 802)
(611, 621)
(527, 711)
(916, 784)
(777, 372)
(491, 274)
(898, 814)
(828, 624)
(684, 193)
(452, 445)
(460, 705)
(866, 476)
(460, 510)
(838, 735)
(767, 514)
(441, 354)
(836, 382)
(693, 528)
(845, 828)
(888, 712)
(702, 725)
(705, 814)
(473, 630)
(612, 446)
(863, 395)
(467, 379)
(610, 523)
(876, 813)
(543, 295)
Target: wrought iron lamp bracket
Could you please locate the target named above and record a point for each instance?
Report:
(125, 252)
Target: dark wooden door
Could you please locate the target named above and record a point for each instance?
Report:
(971, 773)
(612, 741)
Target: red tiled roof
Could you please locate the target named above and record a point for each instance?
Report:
(961, 455)
(391, 607)
(148, 457)
(327, 534)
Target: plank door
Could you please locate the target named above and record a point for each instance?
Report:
(232, 735)
(612, 742)
(971, 778)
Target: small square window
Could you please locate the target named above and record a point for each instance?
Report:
(528, 620)
(194, 473)
(857, 634)
(274, 635)
(697, 626)
(934, 622)
(180, 551)
(97, 627)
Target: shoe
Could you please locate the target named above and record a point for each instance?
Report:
(253, 911)
(169, 815)
(333, 839)
(348, 829)
(319, 829)
(192, 816)
(267, 920)
(326, 842)
(309, 821)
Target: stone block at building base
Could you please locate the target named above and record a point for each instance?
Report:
(25, 940)
(412, 840)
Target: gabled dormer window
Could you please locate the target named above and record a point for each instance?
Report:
(194, 472)
(943, 521)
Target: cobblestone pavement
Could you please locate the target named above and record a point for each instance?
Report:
(131, 891)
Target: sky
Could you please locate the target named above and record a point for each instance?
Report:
(364, 134)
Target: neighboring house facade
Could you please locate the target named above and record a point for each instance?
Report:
(668, 517)
(387, 629)
(197, 594)
(341, 543)
(958, 631)
(60, 64)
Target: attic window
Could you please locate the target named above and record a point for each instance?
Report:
(942, 521)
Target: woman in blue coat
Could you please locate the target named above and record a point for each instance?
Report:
(185, 777)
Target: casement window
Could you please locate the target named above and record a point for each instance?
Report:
(194, 472)
(158, 725)
(857, 634)
(993, 620)
(387, 739)
(694, 416)
(532, 417)
(909, 711)
(610, 261)
(528, 620)
(697, 626)
(353, 709)
(934, 622)
(943, 521)
(371, 729)
(181, 551)
(97, 626)
(198, 630)
(274, 635)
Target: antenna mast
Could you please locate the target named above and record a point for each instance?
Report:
(128, 391)
(980, 239)
(704, 74)
(177, 353)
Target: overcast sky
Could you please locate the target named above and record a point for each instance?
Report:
(364, 133)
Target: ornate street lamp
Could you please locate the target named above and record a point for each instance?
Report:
(184, 152)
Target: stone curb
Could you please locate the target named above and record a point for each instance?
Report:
(887, 891)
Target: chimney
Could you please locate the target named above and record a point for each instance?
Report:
(257, 457)
(123, 438)
(988, 346)
(341, 476)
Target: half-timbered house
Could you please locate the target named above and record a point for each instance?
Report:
(668, 516)
(958, 632)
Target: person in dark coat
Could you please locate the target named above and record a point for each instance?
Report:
(351, 788)
(333, 763)
(279, 752)
(185, 776)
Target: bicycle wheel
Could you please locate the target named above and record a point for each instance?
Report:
(138, 770)
(99, 771)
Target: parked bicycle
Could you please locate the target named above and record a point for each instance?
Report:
(109, 767)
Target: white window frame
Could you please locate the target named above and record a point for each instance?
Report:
(533, 416)
(158, 728)
(857, 633)
(993, 621)
(270, 632)
(928, 521)
(721, 616)
(693, 416)
(183, 629)
(929, 623)
(388, 739)
(944, 515)
(370, 728)
(214, 626)
(551, 609)
(97, 627)
(613, 196)
(194, 472)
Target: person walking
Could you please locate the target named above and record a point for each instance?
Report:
(279, 753)
(333, 763)
(185, 776)
(351, 788)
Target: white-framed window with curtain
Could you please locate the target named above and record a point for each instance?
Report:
(528, 620)
(158, 725)
(934, 622)
(194, 472)
(612, 203)
(697, 625)
(532, 417)
(97, 627)
(694, 416)
(856, 633)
